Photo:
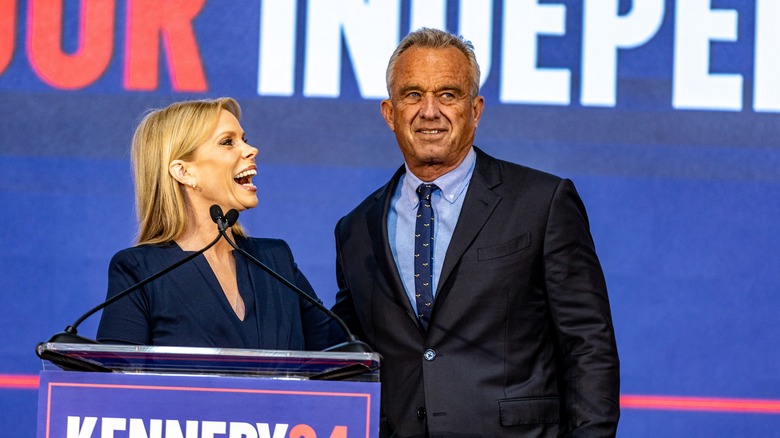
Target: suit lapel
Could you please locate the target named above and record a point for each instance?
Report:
(377, 229)
(479, 204)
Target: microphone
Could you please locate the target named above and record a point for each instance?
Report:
(352, 345)
(223, 223)
(70, 334)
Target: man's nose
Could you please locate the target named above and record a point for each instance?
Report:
(430, 106)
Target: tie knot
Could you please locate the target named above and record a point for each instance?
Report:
(424, 190)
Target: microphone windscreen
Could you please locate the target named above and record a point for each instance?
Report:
(216, 213)
(231, 217)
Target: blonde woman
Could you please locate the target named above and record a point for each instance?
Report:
(187, 157)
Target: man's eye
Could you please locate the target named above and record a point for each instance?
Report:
(414, 95)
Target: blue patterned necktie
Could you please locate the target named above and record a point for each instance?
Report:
(423, 254)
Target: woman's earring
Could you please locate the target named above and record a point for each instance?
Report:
(194, 185)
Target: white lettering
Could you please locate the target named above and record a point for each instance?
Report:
(242, 430)
(194, 429)
(276, 69)
(604, 32)
(109, 425)
(521, 80)
(370, 29)
(694, 87)
(173, 429)
(76, 430)
(766, 86)
(428, 13)
(476, 24)
(264, 430)
(211, 428)
(138, 429)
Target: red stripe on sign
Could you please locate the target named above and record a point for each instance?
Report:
(735, 405)
(11, 381)
(627, 401)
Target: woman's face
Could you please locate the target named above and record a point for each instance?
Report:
(223, 168)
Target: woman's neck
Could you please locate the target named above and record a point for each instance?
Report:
(200, 231)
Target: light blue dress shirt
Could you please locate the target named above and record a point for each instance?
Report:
(446, 204)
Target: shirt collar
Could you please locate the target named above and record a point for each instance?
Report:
(452, 183)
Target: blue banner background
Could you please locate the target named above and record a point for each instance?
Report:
(683, 203)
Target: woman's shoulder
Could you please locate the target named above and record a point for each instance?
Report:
(265, 248)
(147, 252)
(263, 243)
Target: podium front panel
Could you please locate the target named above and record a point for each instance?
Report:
(89, 404)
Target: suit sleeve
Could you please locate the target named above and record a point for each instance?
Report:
(314, 321)
(126, 321)
(344, 306)
(580, 310)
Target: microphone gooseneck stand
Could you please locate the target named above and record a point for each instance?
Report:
(70, 334)
(351, 345)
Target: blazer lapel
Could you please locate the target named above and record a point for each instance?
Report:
(211, 280)
(479, 204)
(377, 229)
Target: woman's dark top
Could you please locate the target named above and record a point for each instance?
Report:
(187, 306)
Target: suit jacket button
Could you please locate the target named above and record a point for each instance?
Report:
(429, 355)
(421, 413)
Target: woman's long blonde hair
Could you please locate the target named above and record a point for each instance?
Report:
(165, 135)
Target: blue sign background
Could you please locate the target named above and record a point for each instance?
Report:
(683, 203)
(323, 406)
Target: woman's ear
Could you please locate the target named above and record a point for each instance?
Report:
(178, 170)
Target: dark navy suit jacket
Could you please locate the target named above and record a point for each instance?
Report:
(187, 306)
(520, 341)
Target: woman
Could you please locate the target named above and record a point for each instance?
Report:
(186, 158)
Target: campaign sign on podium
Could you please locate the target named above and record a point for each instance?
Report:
(233, 404)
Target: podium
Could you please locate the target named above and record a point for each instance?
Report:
(187, 392)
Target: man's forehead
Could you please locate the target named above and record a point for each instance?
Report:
(431, 68)
(417, 52)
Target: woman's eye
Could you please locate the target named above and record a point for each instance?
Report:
(226, 142)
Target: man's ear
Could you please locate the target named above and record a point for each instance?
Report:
(477, 106)
(388, 113)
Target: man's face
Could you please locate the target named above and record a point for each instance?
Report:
(430, 109)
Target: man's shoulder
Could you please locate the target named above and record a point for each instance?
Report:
(366, 205)
(511, 173)
(379, 195)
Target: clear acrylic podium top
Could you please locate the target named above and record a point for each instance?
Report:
(280, 364)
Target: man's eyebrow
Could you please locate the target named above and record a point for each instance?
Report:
(407, 88)
(449, 87)
(414, 87)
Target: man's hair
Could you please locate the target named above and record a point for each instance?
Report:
(165, 135)
(436, 39)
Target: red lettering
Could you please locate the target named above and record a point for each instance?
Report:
(339, 432)
(7, 32)
(302, 431)
(91, 58)
(148, 21)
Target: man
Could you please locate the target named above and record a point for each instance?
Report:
(484, 295)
